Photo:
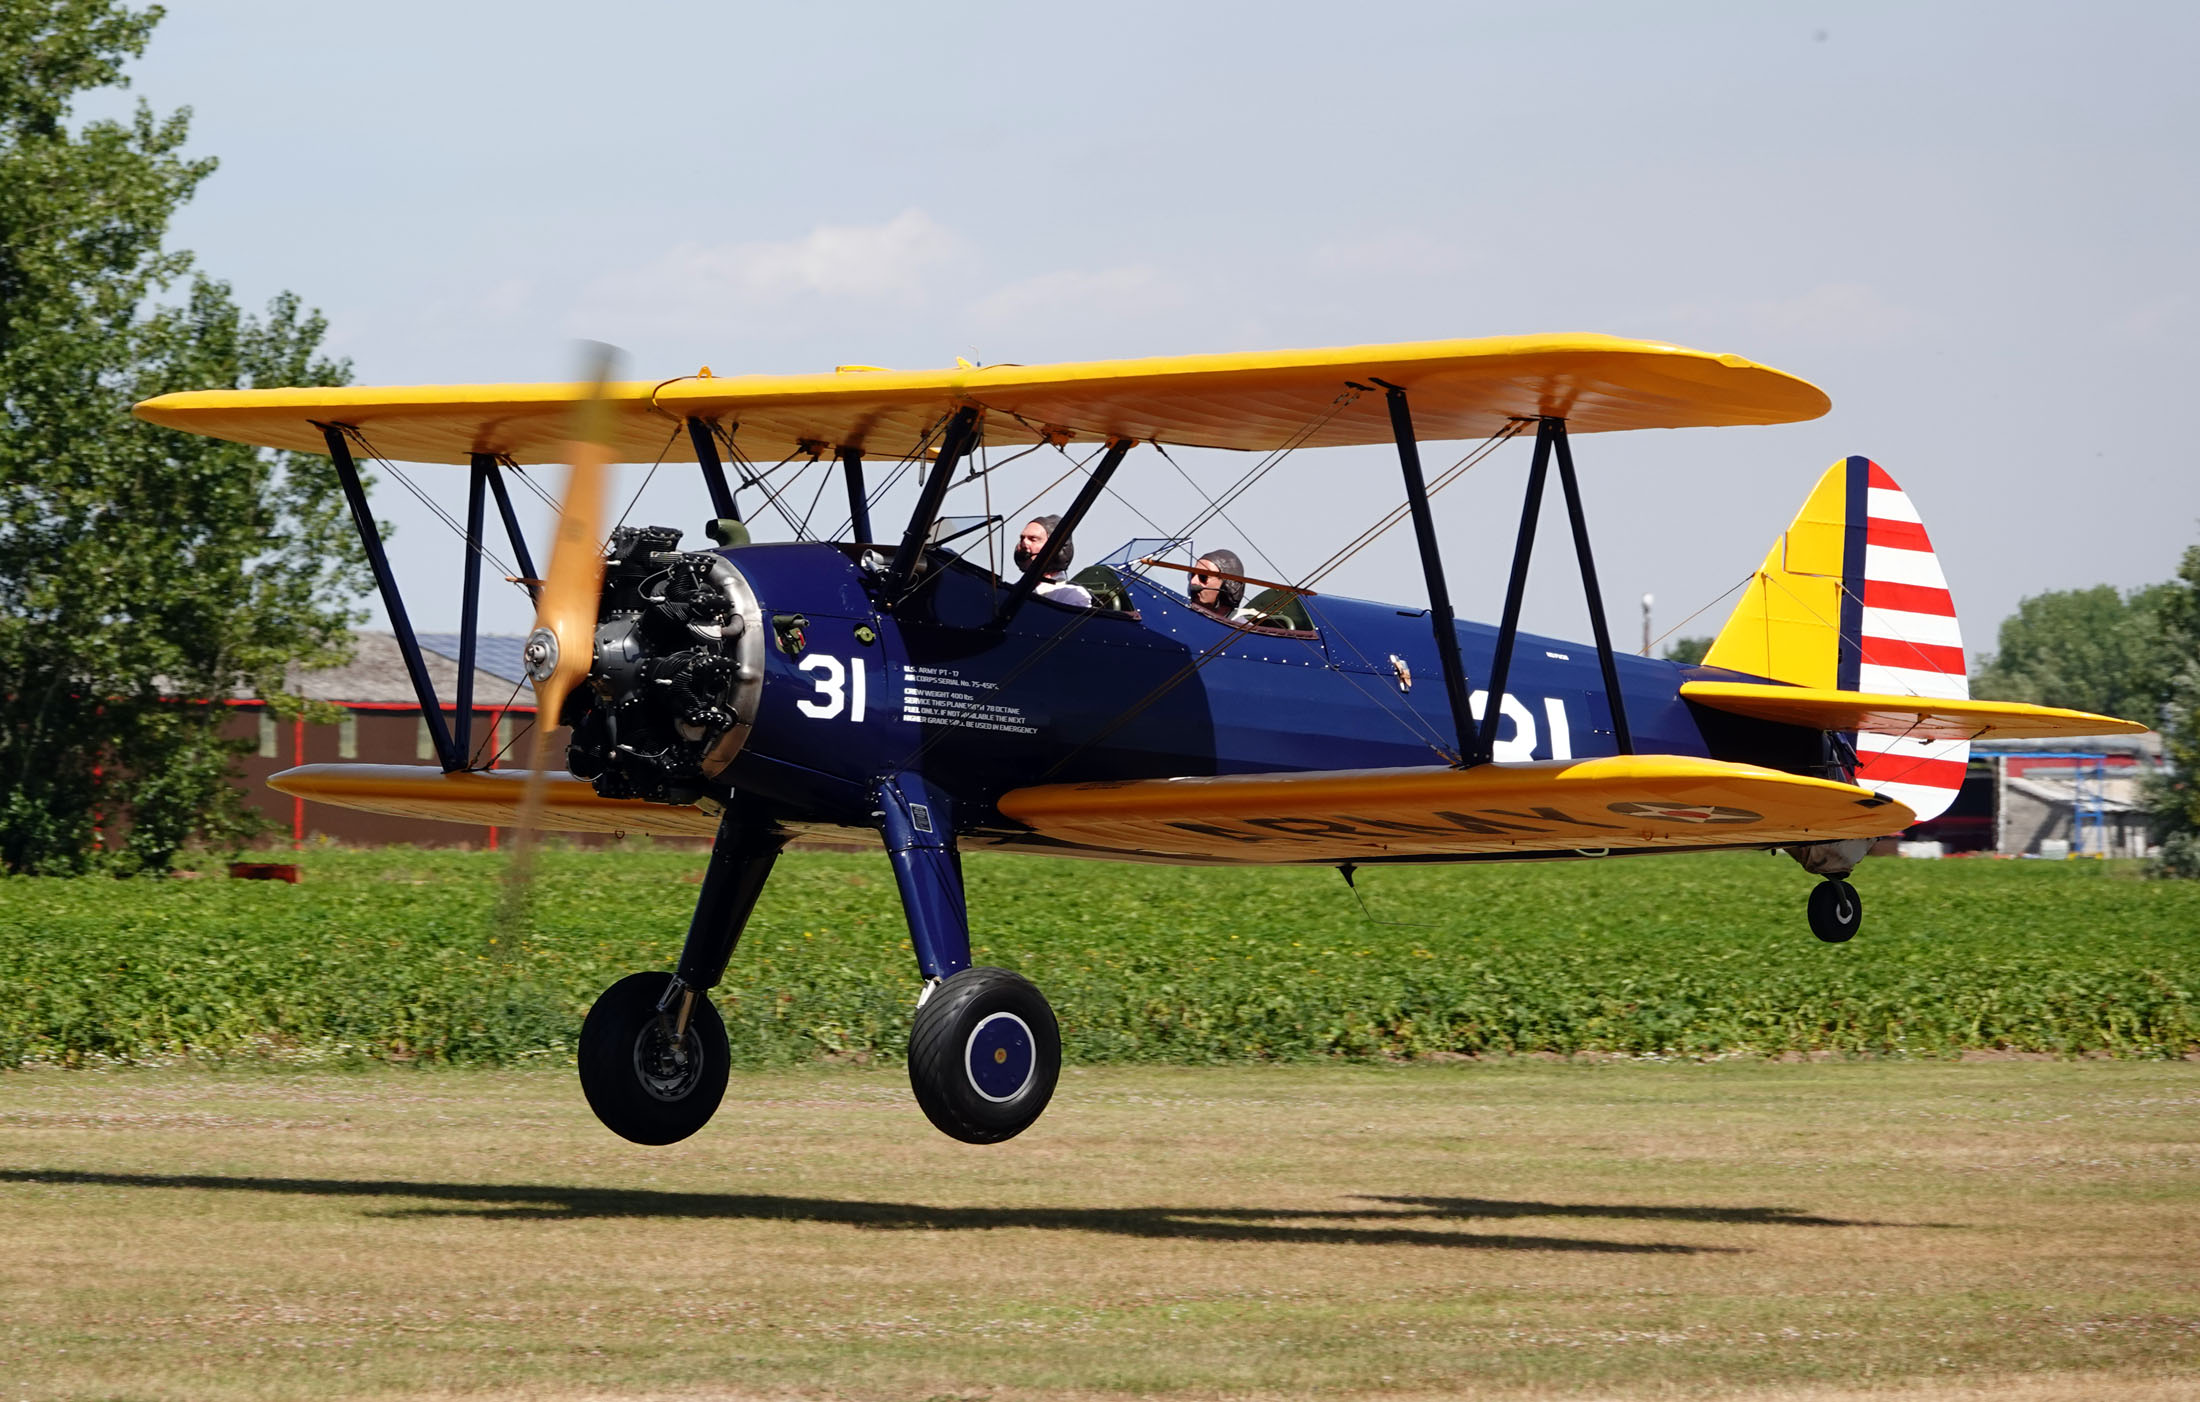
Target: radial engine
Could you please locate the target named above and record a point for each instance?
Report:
(678, 668)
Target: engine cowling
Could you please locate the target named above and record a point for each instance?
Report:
(678, 667)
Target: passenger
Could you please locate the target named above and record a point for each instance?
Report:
(1211, 592)
(1037, 532)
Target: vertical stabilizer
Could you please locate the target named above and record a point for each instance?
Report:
(1851, 598)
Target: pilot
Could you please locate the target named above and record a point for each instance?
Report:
(1037, 532)
(1211, 592)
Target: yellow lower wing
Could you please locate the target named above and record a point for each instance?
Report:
(416, 791)
(1624, 802)
(1920, 717)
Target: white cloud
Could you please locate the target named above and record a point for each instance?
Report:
(1407, 253)
(835, 260)
(1850, 313)
(2154, 319)
(705, 283)
(507, 298)
(1833, 313)
(1077, 296)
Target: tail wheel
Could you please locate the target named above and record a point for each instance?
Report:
(984, 1056)
(643, 1081)
(1836, 911)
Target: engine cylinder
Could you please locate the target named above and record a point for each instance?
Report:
(678, 666)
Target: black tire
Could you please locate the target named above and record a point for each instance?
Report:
(984, 1056)
(1836, 911)
(633, 1082)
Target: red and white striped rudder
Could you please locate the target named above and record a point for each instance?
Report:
(1900, 637)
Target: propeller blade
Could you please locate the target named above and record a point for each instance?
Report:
(562, 647)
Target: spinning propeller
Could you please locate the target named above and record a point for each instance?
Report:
(561, 648)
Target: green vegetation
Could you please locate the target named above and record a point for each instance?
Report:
(144, 575)
(2134, 655)
(1687, 649)
(2175, 794)
(387, 956)
(2089, 649)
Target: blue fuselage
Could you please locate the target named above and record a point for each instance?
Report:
(1062, 695)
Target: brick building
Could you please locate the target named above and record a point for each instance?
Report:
(382, 723)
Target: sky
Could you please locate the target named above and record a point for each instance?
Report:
(1973, 225)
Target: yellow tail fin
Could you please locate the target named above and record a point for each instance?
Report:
(1851, 601)
(1788, 624)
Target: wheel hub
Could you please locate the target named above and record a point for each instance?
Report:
(1000, 1056)
(668, 1067)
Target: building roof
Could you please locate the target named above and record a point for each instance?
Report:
(2147, 745)
(498, 654)
(376, 673)
(2116, 795)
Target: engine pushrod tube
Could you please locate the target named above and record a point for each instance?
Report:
(1432, 571)
(714, 470)
(962, 431)
(1064, 529)
(378, 560)
(1508, 629)
(1595, 597)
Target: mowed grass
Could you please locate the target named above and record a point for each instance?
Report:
(2008, 1230)
(391, 955)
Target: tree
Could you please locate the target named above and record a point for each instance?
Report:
(2174, 795)
(146, 577)
(1688, 650)
(2088, 649)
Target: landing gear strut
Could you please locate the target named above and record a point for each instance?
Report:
(1836, 911)
(653, 1052)
(984, 1052)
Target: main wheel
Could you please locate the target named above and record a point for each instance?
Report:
(1836, 911)
(984, 1055)
(642, 1082)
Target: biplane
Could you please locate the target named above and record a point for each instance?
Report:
(891, 688)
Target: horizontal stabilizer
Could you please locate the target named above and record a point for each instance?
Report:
(1616, 803)
(489, 798)
(1920, 717)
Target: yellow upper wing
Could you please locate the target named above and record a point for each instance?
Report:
(1624, 802)
(1920, 717)
(1256, 401)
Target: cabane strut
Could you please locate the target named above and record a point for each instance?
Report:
(1064, 530)
(962, 433)
(1478, 742)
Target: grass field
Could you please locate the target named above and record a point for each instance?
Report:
(389, 956)
(2012, 1230)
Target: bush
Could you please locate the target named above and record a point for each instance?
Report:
(387, 956)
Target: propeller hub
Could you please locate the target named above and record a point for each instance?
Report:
(541, 655)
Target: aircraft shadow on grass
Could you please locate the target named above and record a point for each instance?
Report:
(1374, 1226)
(1744, 1216)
